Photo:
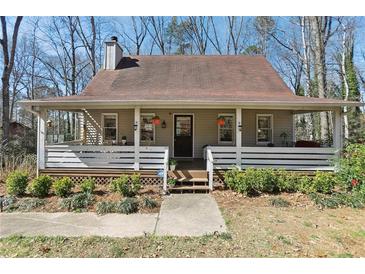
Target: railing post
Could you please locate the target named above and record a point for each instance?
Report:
(238, 136)
(41, 139)
(137, 131)
(210, 168)
(166, 169)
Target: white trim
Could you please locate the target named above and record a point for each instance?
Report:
(173, 133)
(272, 127)
(233, 129)
(102, 125)
(153, 126)
(137, 137)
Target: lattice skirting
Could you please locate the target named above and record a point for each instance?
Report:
(105, 180)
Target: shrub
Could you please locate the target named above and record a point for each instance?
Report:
(279, 202)
(351, 166)
(40, 186)
(125, 188)
(78, 201)
(63, 187)
(305, 185)
(16, 183)
(149, 203)
(324, 182)
(127, 206)
(121, 185)
(251, 181)
(26, 204)
(338, 199)
(88, 185)
(105, 207)
(287, 181)
(135, 184)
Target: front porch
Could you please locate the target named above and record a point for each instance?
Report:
(249, 138)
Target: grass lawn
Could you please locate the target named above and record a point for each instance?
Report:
(256, 229)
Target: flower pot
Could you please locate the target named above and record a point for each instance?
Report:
(172, 167)
(124, 142)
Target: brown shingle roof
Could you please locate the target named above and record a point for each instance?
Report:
(190, 78)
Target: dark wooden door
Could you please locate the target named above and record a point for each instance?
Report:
(183, 136)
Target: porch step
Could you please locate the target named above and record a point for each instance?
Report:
(189, 189)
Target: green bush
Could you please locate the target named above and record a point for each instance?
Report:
(251, 181)
(324, 182)
(121, 185)
(305, 185)
(105, 207)
(287, 181)
(125, 188)
(149, 203)
(77, 202)
(16, 183)
(26, 204)
(88, 185)
(352, 166)
(279, 202)
(127, 206)
(40, 186)
(63, 187)
(349, 199)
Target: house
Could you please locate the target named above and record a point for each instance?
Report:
(209, 112)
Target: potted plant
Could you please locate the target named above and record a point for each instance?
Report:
(172, 164)
(221, 121)
(171, 182)
(156, 120)
(124, 140)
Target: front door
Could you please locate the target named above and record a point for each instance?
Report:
(183, 136)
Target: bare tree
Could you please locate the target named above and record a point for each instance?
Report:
(156, 26)
(235, 27)
(8, 61)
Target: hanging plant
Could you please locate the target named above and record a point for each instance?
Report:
(156, 120)
(221, 121)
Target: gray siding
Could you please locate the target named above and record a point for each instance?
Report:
(205, 127)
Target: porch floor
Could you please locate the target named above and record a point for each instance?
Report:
(190, 164)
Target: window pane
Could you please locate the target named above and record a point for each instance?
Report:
(147, 128)
(110, 134)
(263, 135)
(110, 121)
(226, 131)
(226, 135)
(183, 126)
(264, 122)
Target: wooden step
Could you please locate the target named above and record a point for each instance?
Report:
(189, 188)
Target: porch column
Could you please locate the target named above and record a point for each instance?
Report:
(41, 138)
(238, 136)
(337, 129)
(137, 130)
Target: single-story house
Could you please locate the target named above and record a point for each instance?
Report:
(208, 112)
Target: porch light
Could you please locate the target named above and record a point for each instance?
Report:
(156, 120)
(49, 123)
(239, 127)
(163, 125)
(135, 126)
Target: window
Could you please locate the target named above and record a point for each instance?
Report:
(226, 131)
(110, 127)
(264, 127)
(147, 127)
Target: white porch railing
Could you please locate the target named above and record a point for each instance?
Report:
(289, 158)
(122, 157)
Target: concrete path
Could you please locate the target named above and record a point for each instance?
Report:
(180, 215)
(190, 215)
(76, 224)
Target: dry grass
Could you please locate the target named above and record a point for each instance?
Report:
(256, 229)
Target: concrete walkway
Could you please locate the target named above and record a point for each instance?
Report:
(180, 215)
(189, 215)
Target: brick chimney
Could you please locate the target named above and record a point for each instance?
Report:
(113, 53)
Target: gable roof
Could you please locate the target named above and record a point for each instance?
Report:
(203, 79)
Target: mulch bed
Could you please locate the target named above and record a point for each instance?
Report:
(101, 193)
